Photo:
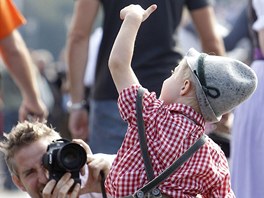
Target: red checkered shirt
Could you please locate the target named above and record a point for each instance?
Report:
(170, 131)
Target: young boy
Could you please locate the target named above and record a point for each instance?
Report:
(201, 88)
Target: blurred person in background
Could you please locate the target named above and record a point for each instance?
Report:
(247, 143)
(237, 41)
(161, 47)
(46, 72)
(16, 58)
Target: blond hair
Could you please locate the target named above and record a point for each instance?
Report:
(189, 75)
(24, 134)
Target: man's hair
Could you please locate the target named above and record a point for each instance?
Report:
(21, 135)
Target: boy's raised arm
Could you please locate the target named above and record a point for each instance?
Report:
(123, 48)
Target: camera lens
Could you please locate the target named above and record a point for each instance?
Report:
(72, 157)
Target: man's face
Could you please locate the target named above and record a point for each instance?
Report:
(32, 176)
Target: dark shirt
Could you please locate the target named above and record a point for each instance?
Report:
(157, 50)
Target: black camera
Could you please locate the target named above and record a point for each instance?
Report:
(64, 156)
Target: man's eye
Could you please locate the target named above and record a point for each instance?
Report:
(28, 173)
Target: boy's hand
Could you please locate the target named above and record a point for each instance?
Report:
(137, 11)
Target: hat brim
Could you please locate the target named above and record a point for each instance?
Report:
(205, 107)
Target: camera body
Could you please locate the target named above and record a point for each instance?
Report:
(64, 156)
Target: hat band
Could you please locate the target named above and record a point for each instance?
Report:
(213, 92)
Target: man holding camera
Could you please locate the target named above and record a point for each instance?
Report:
(44, 165)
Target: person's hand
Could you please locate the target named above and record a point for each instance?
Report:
(137, 11)
(209, 127)
(78, 124)
(33, 110)
(97, 164)
(62, 188)
(225, 124)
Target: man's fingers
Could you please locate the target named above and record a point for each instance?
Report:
(64, 190)
(98, 165)
(47, 191)
(83, 144)
(61, 189)
(76, 190)
(64, 183)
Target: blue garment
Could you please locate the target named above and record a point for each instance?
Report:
(108, 136)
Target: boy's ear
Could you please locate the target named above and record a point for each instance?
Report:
(186, 88)
(18, 183)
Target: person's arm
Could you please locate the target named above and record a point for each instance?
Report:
(239, 30)
(85, 12)
(205, 22)
(123, 48)
(20, 65)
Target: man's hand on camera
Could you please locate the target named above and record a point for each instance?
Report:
(96, 164)
(61, 189)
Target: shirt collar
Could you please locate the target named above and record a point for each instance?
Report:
(189, 112)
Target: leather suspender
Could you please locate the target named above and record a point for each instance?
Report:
(143, 145)
(153, 182)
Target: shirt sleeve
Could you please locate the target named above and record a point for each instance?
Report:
(127, 102)
(258, 6)
(222, 187)
(197, 4)
(10, 18)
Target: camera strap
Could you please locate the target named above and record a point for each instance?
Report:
(154, 182)
(102, 184)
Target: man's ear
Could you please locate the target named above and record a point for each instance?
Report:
(186, 88)
(18, 183)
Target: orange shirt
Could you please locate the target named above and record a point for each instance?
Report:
(10, 18)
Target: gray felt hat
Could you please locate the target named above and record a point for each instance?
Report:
(221, 83)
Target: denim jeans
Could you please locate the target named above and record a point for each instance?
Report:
(107, 129)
